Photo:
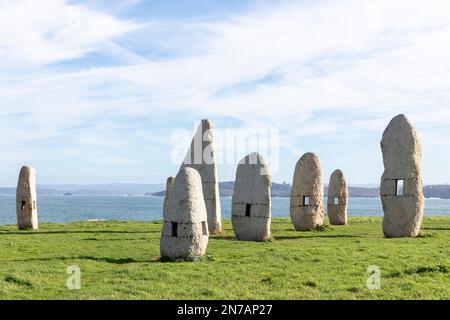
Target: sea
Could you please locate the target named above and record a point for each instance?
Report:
(64, 208)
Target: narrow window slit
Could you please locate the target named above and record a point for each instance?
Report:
(174, 229)
(336, 201)
(399, 187)
(306, 201)
(248, 208)
(204, 228)
(23, 205)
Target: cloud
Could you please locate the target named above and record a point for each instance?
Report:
(327, 57)
(47, 31)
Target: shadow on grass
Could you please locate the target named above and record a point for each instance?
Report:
(107, 260)
(43, 232)
(115, 239)
(436, 228)
(315, 236)
(227, 238)
(294, 237)
(18, 281)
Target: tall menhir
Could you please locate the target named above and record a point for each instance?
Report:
(201, 157)
(401, 183)
(26, 199)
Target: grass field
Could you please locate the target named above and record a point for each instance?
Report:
(119, 260)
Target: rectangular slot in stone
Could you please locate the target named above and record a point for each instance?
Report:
(174, 229)
(23, 205)
(336, 201)
(305, 201)
(248, 208)
(399, 187)
(204, 228)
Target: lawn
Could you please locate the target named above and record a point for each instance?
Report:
(120, 260)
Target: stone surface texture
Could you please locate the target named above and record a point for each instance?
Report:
(337, 189)
(185, 229)
(307, 182)
(251, 202)
(201, 157)
(26, 199)
(402, 155)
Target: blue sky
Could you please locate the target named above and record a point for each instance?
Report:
(92, 91)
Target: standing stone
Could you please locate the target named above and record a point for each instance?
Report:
(169, 186)
(307, 194)
(26, 199)
(401, 183)
(201, 157)
(337, 199)
(251, 203)
(185, 229)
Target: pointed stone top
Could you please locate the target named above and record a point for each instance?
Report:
(401, 148)
(206, 124)
(186, 202)
(253, 158)
(256, 159)
(338, 185)
(186, 175)
(337, 174)
(311, 161)
(310, 155)
(307, 175)
(401, 117)
(401, 124)
(27, 170)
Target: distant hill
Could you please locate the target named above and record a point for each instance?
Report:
(226, 189)
(284, 190)
(360, 192)
(95, 189)
(437, 191)
(109, 188)
(39, 191)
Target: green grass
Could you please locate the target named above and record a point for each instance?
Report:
(120, 260)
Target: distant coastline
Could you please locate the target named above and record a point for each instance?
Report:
(282, 190)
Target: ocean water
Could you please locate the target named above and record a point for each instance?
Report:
(58, 208)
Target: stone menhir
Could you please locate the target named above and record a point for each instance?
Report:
(185, 229)
(337, 200)
(401, 184)
(251, 202)
(201, 157)
(169, 185)
(26, 199)
(306, 206)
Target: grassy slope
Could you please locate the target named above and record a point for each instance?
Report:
(119, 260)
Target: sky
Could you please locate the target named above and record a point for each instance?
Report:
(95, 91)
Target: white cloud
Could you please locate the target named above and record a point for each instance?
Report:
(346, 55)
(47, 31)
